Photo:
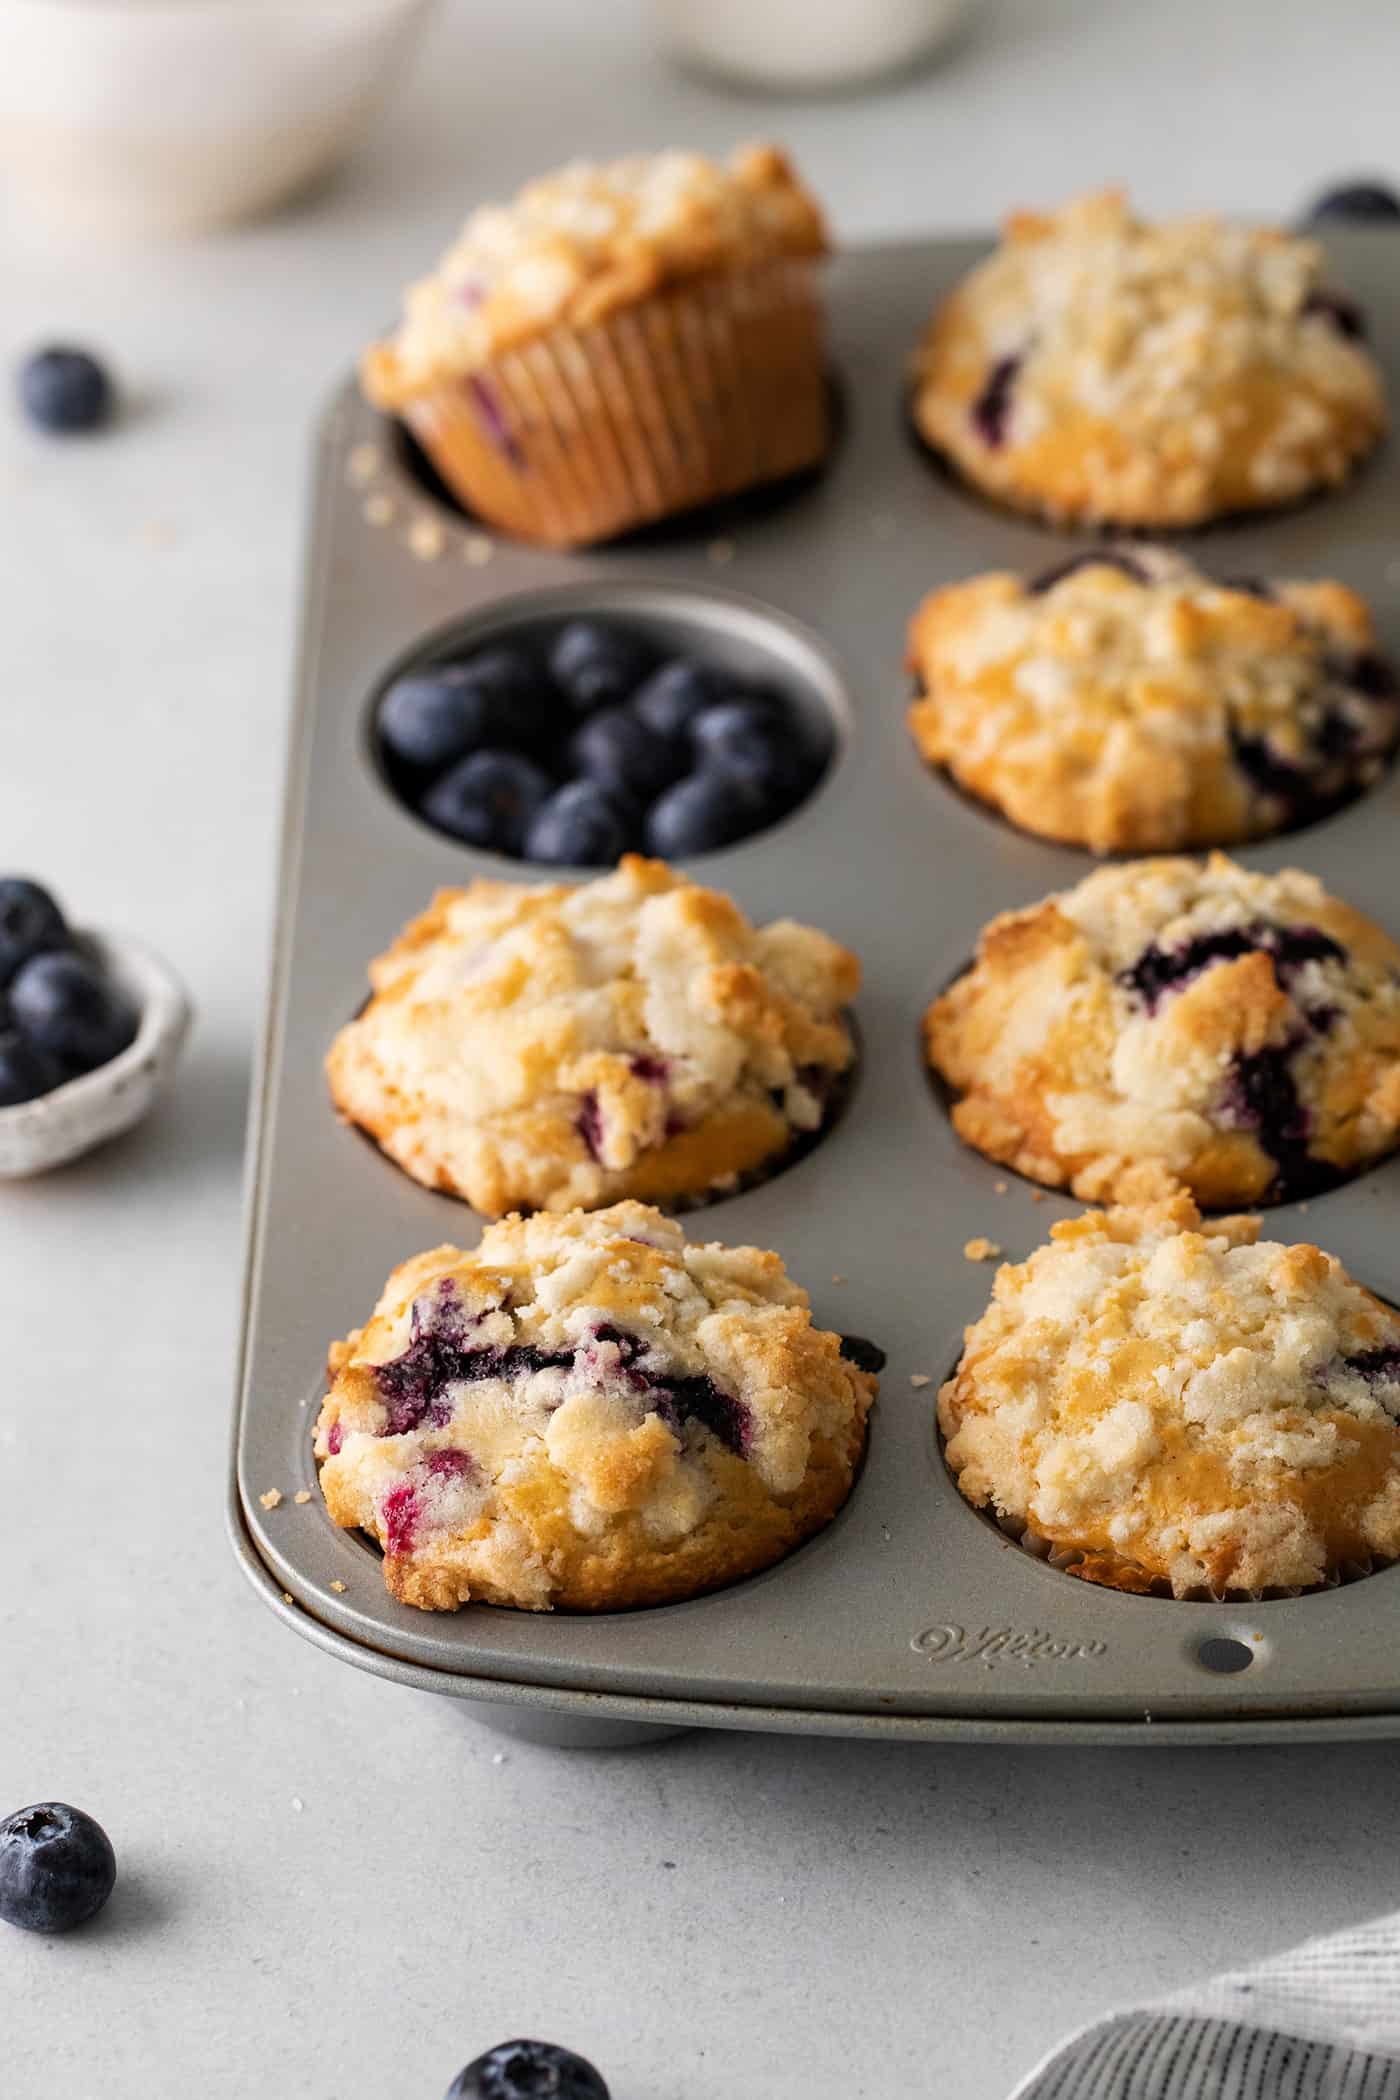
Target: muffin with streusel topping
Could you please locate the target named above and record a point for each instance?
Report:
(547, 1045)
(1170, 1406)
(618, 344)
(1178, 1024)
(588, 1411)
(1125, 701)
(1097, 368)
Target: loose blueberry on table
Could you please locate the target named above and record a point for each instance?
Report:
(63, 390)
(57, 1868)
(60, 1014)
(528, 2071)
(1375, 202)
(590, 745)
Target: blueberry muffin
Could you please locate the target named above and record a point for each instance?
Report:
(541, 1046)
(588, 1411)
(1178, 1024)
(618, 344)
(1171, 1406)
(1097, 368)
(1122, 700)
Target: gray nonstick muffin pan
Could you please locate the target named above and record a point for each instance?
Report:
(911, 1616)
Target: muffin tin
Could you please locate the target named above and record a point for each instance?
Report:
(911, 1615)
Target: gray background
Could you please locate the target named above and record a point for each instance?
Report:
(838, 1920)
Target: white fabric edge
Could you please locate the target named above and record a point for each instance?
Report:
(1341, 1989)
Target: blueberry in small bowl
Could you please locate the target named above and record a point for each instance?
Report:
(91, 1026)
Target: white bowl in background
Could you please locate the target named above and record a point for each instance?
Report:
(806, 46)
(173, 116)
(85, 1112)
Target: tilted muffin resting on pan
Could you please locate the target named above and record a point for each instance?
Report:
(546, 1045)
(1178, 1023)
(1166, 1405)
(1100, 369)
(589, 1411)
(1125, 701)
(618, 344)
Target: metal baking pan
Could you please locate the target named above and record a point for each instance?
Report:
(911, 1615)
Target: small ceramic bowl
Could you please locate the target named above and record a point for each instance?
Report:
(85, 1112)
(153, 117)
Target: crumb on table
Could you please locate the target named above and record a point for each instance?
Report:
(920, 1378)
(271, 1499)
(981, 1249)
(339, 1588)
(302, 1495)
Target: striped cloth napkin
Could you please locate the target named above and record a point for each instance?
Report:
(1321, 2022)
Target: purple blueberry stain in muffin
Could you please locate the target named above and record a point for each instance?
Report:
(589, 1125)
(492, 419)
(683, 1401)
(991, 411)
(1379, 1367)
(450, 1464)
(399, 1515)
(1261, 1096)
(679, 1398)
(1158, 971)
(657, 1070)
(416, 1387)
(428, 1496)
(1266, 769)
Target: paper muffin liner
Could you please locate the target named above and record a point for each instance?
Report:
(690, 395)
(1064, 1558)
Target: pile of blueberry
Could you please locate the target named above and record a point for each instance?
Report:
(593, 744)
(60, 1013)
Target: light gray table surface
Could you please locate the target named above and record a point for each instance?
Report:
(329, 1885)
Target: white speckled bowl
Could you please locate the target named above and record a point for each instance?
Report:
(148, 117)
(85, 1112)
